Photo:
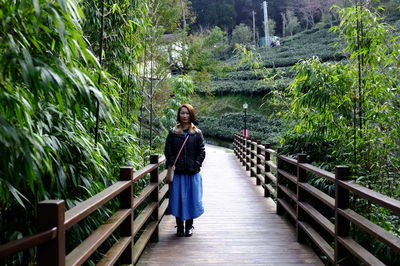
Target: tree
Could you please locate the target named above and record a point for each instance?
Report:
(284, 24)
(271, 27)
(53, 89)
(244, 10)
(352, 107)
(291, 23)
(347, 113)
(215, 13)
(215, 37)
(65, 65)
(241, 34)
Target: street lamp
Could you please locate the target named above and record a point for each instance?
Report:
(245, 131)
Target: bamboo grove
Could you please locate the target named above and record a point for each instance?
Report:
(347, 112)
(85, 88)
(76, 102)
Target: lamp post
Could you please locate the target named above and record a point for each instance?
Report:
(245, 131)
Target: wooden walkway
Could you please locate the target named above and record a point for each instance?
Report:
(239, 226)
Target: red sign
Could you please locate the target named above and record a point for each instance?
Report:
(245, 132)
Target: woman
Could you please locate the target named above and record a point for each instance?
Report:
(186, 189)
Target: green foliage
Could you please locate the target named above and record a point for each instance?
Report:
(215, 106)
(47, 94)
(321, 103)
(124, 28)
(247, 56)
(220, 13)
(258, 82)
(240, 75)
(347, 113)
(373, 60)
(321, 99)
(201, 55)
(169, 13)
(229, 124)
(182, 90)
(291, 24)
(270, 69)
(324, 97)
(51, 83)
(307, 44)
(244, 87)
(241, 34)
(318, 42)
(215, 37)
(271, 27)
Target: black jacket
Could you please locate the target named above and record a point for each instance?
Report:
(192, 155)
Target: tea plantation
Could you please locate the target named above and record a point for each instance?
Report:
(221, 115)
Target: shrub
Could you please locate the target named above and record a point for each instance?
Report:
(229, 124)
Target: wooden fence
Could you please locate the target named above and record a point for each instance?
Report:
(324, 220)
(53, 221)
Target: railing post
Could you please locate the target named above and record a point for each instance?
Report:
(248, 149)
(236, 145)
(280, 210)
(252, 164)
(258, 170)
(300, 214)
(267, 169)
(154, 179)
(133, 220)
(240, 147)
(342, 225)
(51, 213)
(243, 150)
(126, 202)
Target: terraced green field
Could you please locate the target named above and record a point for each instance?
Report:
(231, 89)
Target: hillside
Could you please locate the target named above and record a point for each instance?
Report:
(221, 115)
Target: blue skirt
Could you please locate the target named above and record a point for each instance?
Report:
(185, 196)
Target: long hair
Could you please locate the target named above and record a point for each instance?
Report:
(192, 113)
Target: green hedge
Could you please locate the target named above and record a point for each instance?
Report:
(279, 60)
(229, 124)
(307, 44)
(245, 87)
(240, 75)
(256, 75)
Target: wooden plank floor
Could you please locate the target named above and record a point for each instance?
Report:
(239, 226)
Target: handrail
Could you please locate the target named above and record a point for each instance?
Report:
(54, 221)
(293, 192)
(319, 172)
(85, 208)
(144, 171)
(375, 197)
(27, 242)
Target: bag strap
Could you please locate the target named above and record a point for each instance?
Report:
(179, 153)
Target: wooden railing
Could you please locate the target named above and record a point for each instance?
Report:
(53, 221)
(323, 219)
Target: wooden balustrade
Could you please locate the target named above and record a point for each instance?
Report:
(319, 217)
(252, 155)
(53, 221)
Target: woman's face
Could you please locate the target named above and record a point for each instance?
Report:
(184, 115)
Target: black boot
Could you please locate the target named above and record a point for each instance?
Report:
(179, 227)
(189, 227)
